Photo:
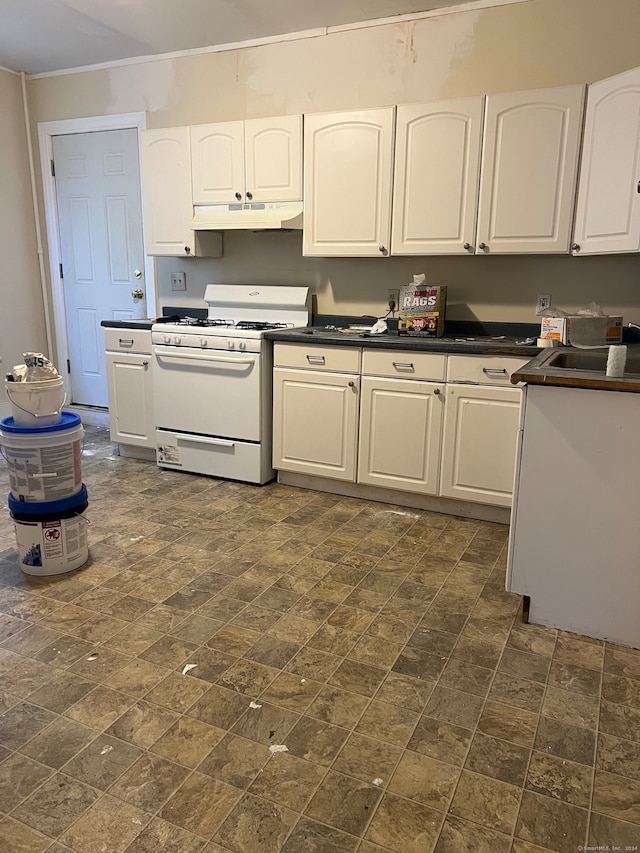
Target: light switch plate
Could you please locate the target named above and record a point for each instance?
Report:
(178, 281)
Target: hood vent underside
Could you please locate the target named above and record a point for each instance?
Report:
(274, 216)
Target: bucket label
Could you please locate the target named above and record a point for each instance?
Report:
(44, 473)
(53, 541)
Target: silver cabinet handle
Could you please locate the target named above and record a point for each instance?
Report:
(495, 371)
(187, 250)
(382, 250)
(352, 384)
(239, 196)
(125, 342)
(403, 365)
(575, 247)
(483, 246)
(249, 195)
(468, 247)
(436, 391)
(145, 364)
(315, 359)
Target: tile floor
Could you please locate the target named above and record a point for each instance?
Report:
(377, 644)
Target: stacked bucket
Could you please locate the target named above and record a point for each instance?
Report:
(43, 447)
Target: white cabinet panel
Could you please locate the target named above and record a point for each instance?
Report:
(400, 426)
(529, 168)
(480, 440)
(129, 382)
(347, 183)
(437, 169)
(315, 422)
(608, 208)
(217, 162)
(258, 160)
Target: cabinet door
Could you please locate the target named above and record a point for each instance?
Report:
(400, 427)
(529, 167)
(130, 399)
(273, 159)
(608, 209)
(166, 191)
(217, 163)
(437, 170)
(315, 423)
(347, 183)
(479, 443)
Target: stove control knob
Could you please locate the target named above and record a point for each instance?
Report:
(167, 339)
(203, 342)
(230, 344)
(177, 340)
(242, 345)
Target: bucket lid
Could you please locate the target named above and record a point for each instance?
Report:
(68, 420)
(48, 507)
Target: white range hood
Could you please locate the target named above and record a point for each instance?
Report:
(277, 216)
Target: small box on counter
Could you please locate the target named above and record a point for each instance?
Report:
(421, 310)
(582, 330)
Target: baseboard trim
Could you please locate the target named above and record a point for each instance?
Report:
(464, 509)
(90, 415)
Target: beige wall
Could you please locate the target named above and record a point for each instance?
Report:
(21, 315)
(519, 46)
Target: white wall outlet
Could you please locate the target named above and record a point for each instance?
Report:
(543, 302)
(392, 300)
(178, 281)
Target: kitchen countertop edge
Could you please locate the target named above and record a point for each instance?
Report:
(127, 324)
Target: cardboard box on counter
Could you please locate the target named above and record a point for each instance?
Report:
(421, 310)
(582, 331)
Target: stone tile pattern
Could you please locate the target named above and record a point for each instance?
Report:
(140, 695)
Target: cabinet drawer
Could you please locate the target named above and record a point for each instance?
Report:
(128, 340)
(483, 369)
(403, 364)
(336, 359)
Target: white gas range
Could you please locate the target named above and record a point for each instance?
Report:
(212, 381)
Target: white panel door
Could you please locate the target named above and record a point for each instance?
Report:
(315, 423)
(529, 168)
(166, 187)
(400, 427)
(437, 171)
(273, 159)
(97, 181)
(608, 209)
(479, 443)
(348, 166)
(217, 163)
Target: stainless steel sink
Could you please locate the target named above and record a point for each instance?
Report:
(589, 360)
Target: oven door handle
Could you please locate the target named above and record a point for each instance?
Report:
(201, 439)
(225, 359)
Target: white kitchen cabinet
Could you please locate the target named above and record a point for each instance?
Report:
(348, 167)
(480, 429)
(129, 365)
(608, 206)
(166, 197)
(315, 410)
(436, 177)
(257, 160)
(401, 420)
(529, 168)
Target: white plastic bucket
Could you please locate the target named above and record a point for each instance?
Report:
(44, 463)
(37, 403)
(51, 536)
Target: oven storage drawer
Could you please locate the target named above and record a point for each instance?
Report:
(217, 457)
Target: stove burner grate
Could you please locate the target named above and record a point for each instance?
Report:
(259, 325)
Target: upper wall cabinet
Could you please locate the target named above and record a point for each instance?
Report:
(529, 168)
(347, 183)
(608, 209)
(437, 169)
(166, 196)
(258, 160)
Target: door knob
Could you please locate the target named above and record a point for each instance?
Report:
(137, 273)
(137, 294)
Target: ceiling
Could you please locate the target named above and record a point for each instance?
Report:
(49, 35)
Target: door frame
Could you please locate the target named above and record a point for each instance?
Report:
(46, 131)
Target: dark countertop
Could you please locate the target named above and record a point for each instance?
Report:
(470, 338)
(127, 324)
(536, 372)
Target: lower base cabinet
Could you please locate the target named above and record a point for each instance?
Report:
(411, 421)
(131, 419)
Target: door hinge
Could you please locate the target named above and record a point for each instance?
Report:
(53, 169)
(68, 365)
(61, 272)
